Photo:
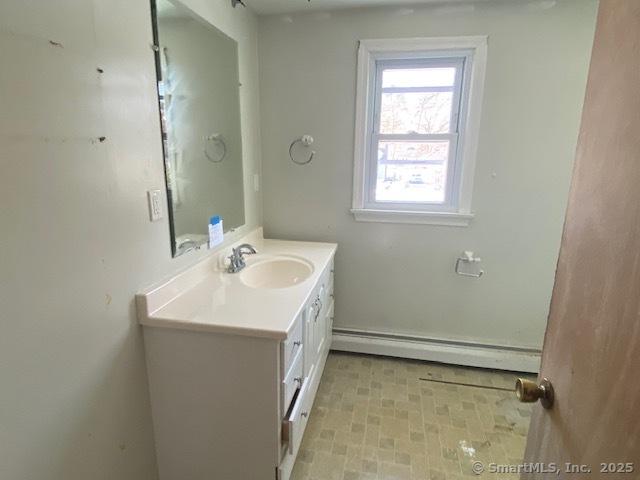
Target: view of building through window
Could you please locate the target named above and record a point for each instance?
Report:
(416, 120)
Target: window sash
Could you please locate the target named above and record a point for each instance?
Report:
(416, 89)
(450, 200)
(428, 137)
(434, 60)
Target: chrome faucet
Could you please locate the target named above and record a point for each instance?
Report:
(236, 259)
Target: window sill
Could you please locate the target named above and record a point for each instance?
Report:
(451, 219)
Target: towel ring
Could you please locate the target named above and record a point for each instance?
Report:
(307, 141)
(216, 138)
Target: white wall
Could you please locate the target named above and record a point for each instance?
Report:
(400, 278)
(75, 240)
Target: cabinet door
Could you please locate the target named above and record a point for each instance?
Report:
(320, 333)
(329, 325)
(309, 336)
(320, 324)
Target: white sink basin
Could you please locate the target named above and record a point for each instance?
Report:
(276, 272)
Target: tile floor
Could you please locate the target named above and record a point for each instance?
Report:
(374, 418)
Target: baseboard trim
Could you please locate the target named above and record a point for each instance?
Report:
(497, 357)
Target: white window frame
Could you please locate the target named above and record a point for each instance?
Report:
(457, 211)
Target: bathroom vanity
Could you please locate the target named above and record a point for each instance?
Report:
(234, 360)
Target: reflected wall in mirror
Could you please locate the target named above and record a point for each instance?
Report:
(199, 97)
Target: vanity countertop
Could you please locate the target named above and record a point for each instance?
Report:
(207, 298)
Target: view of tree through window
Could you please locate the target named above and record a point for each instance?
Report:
(417, 119)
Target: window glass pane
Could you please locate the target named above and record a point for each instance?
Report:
(418, 77)
(412, 171)
(416, 112)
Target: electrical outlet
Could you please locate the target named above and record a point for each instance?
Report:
(155, 205)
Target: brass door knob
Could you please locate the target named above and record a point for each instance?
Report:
(528, 392)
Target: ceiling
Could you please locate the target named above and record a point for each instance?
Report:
(268, 7)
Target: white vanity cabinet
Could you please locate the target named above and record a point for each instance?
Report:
(234, 406)
(317, 317)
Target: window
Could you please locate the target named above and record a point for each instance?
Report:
(416, 129)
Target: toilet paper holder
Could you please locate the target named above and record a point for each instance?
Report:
(468, 258)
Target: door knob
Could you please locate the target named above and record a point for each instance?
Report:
(528, 391)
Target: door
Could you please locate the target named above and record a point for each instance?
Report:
(591, 352)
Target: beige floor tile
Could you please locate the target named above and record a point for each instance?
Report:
(374, 418)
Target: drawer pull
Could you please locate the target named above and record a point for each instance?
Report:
(298, 380)
(331, 295)
(304, 414)
(297, 343)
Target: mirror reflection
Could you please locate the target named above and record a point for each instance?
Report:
(198, 92)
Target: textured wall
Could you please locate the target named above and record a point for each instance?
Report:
(76, 243)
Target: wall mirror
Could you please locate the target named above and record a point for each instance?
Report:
(199, 98)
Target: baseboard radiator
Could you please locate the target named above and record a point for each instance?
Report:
(499, 357)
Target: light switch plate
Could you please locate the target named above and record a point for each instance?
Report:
(155, 205)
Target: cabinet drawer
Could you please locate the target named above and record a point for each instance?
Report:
(292, 345)
(294, 424)
(293, 381)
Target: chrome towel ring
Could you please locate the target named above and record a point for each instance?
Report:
(215, 138)
(307, 141)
